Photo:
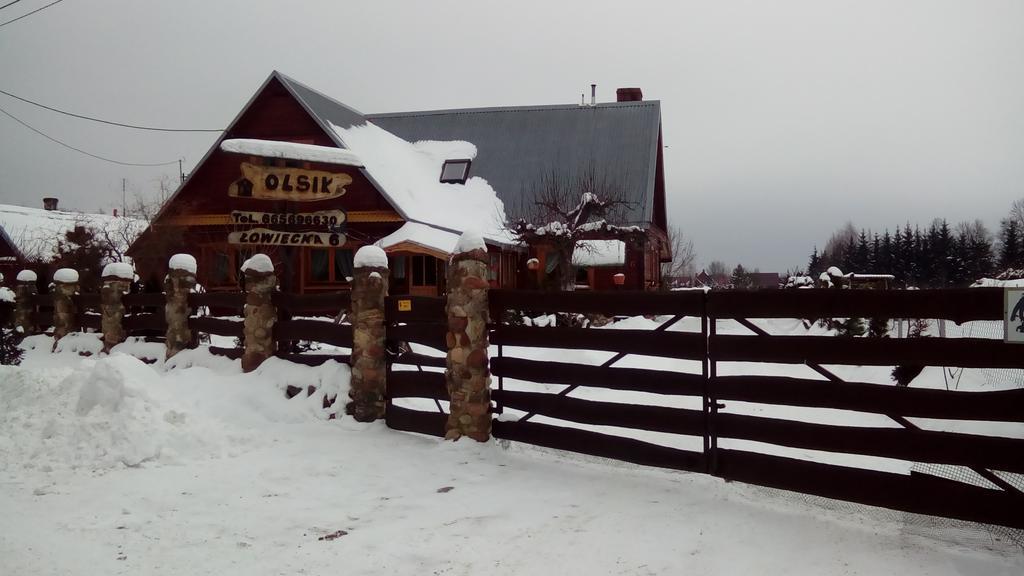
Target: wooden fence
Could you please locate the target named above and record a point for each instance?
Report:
(422, 320)
(1001, 503)
(144, 317)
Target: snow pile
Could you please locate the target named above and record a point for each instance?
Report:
(259, 263)
(370, 257)
(117, 411)
(997, 283)
(410, 174)
(291, 151)
(26, 276)
(469, 241)
(834, 272)
(122, 270)
(103, 415)
(6, 294)
(185, 262)
(800, 282)
(66, 276)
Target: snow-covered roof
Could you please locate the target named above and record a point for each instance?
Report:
(408, 175)
(422, 235)
(291, 151)
(36, 232)
(599, 253)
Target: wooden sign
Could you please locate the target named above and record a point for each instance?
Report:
(293, 184)
(264, 237)
(405, 305)
(1013, 314)
(323, 218)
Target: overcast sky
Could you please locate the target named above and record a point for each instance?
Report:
(782, 119)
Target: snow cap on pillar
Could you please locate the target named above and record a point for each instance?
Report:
(186, 262)
(26, 276)
(66, 276)
(370, 257)
(120, 270)
(258, 264)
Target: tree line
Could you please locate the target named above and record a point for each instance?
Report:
(939, 256)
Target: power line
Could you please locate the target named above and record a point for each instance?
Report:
(30, 13)
(102, 121)
(9, 4)
(52, 139)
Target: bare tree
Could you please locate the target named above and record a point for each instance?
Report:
(718, 268)
(1017, 212)
(560, 209)
(683, 256)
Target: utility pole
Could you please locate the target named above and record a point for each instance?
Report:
(124, 202)
(181, 173)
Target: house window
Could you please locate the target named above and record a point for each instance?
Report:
(220, 268)
(398, 268)
(508, 269)
(330, 266)
(494, 270)
(220, 264)
(455, 171)
(424, 270)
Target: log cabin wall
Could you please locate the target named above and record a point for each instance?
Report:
(198, 217)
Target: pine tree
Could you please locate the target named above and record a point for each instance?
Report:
(847, 262)
(897, 265)
(1010, 245)
(878, 328)
(850, 327)
(740, 277)
(815, 264)
(884, 257)
(10, 353)
(942, 254)
(982, 262)
(919, 263)
(862, 254)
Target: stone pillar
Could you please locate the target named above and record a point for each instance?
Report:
(24, 291)
(369, 363)
(180, 280)
(260, 312)
(115, 286)
(467, 374)
(65, 313)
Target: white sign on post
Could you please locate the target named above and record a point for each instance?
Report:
(1013, 314)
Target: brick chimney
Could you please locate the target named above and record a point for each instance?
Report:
(49, 203)
(629, 95)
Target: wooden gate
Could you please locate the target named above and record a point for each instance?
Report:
(416, 328)
(603, 428)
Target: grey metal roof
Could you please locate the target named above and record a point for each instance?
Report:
(517, 146)
(323, 108)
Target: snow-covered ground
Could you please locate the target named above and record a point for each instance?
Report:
(109, 465)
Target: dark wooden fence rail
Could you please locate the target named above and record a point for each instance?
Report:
(145, 317)
(914, 493)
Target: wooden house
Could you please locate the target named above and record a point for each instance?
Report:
(308, 180)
